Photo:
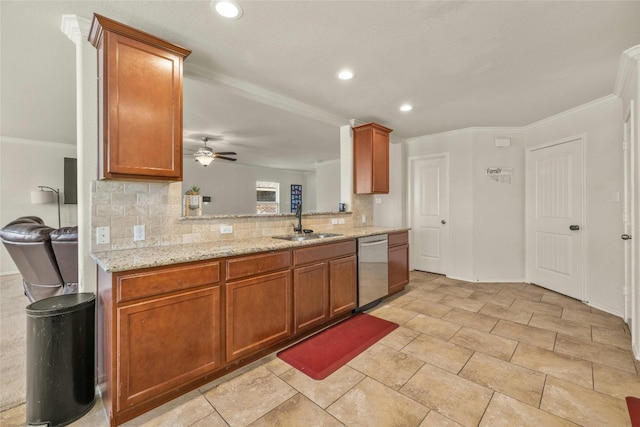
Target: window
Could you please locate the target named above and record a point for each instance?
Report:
(267, 197)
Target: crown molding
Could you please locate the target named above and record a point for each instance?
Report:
(628, 64)
(264, 96)
(600, 101)
(39, 143)
(471, 130)
(75, 27)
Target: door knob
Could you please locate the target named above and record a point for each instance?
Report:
(443, 222)
(574, 227)
(625, 237)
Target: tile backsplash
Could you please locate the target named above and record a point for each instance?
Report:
(121, 205)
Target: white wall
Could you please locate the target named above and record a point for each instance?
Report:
(486, 218)
(601, 122)
(232, 186)
(309, 192)
(487, 240)
(628, 87)
(498, 208)
(460, 222)
(25, 164)
(328, 186)
(390, 212)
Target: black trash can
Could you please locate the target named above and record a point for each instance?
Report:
(60, 359)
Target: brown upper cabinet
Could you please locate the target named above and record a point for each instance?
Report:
(371, 159)
(139, 103)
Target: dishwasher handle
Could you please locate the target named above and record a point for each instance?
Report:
(374, 243)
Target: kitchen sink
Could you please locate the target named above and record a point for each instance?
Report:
(309, 236)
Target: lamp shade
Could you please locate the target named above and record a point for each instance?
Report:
(39, 196)
(204, 160)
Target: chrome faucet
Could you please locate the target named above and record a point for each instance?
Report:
(299, 216)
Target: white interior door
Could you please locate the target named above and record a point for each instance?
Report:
(629, 213)
(429, 201)
(555, 217)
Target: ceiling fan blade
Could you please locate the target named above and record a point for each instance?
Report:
(224, 158)
(226, 153)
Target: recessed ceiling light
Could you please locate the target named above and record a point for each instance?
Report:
(345, 75)
(406, 107)
(228, 9)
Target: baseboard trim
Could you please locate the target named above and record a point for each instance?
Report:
(9, 273)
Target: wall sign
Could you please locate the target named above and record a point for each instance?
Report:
(501, 175)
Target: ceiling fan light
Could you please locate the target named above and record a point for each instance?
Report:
(204, 160)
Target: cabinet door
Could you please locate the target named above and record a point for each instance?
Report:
(380, 150)
(310, 296)
(142, 117)
(371, 159)
(165, 342)
(342, 285)
(398, 268)
(258, 313)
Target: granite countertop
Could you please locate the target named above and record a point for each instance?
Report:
(132, 259)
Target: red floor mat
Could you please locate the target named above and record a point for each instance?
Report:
(633, 403)
(324, 353)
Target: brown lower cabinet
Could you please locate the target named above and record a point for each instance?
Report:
(310, 295)
(398, 261)
(165, 342)
(258, 313)
(159, 334)
(324, 283)
(343, 295)
(164, 331)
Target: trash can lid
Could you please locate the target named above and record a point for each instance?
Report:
(60, 304)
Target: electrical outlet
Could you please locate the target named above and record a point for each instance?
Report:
(364, 219)
(102, 235)
(226, 229)
(378, 200)
(334, 221)
(341, 221)
(138, 232)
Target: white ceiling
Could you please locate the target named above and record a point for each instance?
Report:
(265, 85)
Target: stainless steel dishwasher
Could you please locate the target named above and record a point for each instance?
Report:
(373, 271)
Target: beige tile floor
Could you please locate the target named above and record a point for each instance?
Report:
(495, 354)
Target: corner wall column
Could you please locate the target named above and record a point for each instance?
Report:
(77, 29)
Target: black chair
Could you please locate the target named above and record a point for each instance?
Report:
(65, 247)
(28, 242)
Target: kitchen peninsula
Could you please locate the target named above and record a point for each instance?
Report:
(188, 304)
(173, 318)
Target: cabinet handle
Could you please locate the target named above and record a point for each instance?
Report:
(443, 222)
(574, 227)
(626, 237)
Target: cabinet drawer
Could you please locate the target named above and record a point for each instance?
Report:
(323, 252)
(238, 268)
(148, 283)
(401, 238)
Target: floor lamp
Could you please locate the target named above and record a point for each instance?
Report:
(45, 195)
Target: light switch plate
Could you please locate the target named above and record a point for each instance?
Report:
(226, 229)
(334, 221)
(138, 233)
(102, 235)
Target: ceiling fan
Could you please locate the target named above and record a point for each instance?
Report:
(205, 155)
